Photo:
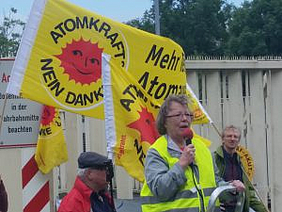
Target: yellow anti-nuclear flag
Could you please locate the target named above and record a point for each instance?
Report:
(51, 149)
(200, 115)
(130, 115)
(59, 59)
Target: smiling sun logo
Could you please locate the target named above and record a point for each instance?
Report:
(51, 123)
(82, 61)
(48, 115)
(146, 126)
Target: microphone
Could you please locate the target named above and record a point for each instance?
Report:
(187, 135)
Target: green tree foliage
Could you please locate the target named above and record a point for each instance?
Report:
(145, 23)
(10, 34)
(256, 29)
(214, 27)
(199, 26)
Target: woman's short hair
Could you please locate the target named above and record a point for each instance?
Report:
(164, 109)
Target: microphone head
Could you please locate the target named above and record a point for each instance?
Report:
(187, 133)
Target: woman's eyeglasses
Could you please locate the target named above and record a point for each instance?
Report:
(180, 115)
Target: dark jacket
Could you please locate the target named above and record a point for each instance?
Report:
(3, 198)
(250, 196)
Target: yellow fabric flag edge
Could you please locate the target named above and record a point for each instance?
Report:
(204, 120)
(51, 149)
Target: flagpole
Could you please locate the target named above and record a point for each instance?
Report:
(216, 129)
(157, 17)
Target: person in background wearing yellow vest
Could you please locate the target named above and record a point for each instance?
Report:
(178, 176)
(230, 168)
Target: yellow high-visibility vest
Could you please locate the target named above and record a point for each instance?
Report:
(187, 197)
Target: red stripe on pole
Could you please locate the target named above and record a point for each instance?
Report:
(29, 170)
(39, 200)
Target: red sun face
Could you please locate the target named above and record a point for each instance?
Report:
(48, 115)
(146, 126)
(82, 61)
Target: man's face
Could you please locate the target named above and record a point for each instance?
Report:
(97, 179)
(231, 140)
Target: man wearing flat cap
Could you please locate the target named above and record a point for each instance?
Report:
(89, 193)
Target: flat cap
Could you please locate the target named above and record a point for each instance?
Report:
(91, 160)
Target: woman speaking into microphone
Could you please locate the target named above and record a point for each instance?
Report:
(179, 170)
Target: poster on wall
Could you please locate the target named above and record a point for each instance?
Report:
(20, 118)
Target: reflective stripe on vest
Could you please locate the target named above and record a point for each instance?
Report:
(187, 197)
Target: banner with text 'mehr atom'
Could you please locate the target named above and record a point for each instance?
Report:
(59, 60)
